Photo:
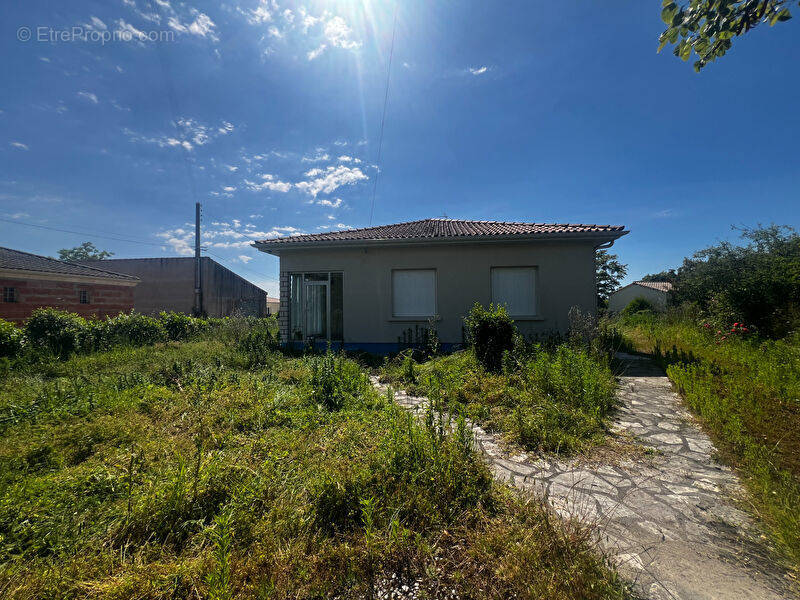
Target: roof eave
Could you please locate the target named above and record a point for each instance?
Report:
(275, 247)
(66, 277)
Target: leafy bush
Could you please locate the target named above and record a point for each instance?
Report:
(179, 326)
(335, 380)
(11, 339)
(135, 329)
(637, 305)
(257, 345)
(491, 332)
(55, 331)
(757, 283)
(545, 399)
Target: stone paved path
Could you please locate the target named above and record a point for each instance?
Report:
(669, 520)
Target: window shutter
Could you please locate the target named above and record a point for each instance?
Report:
(514, 287)
(414, 293)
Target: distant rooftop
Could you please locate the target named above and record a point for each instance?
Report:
(444, 229)
(15, 260)
(661, 286)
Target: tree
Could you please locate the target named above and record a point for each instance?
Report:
(709, 26)
(609, 273)
(757, 282)
(86, 251)
(669, 276)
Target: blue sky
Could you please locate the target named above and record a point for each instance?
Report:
(268, 112)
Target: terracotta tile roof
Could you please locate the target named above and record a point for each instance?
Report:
(661, 286)
(23, 261)
(438, 229)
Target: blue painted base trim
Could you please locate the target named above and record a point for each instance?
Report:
(371, 347)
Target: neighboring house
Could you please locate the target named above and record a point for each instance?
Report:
(273, 305)
(368, 287)
(167, 284)
(30, 281)
(655, 292)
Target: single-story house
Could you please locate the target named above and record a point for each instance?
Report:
(30, 281)
(369, 288)
(273, 305)
(655, 292)
(167, 284)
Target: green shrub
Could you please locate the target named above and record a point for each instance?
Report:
(55, 331)
(257, 345)
(179, 326)
(135, 329)
(491, 332)
(757, 282)
(638, 305)
(11, 339)
(334, 380)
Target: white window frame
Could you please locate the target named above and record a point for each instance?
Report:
(397, 317)
(536, 304)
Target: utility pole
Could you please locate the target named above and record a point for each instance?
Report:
(198, 274)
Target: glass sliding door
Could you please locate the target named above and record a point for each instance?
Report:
(316, 310)
(315, 306)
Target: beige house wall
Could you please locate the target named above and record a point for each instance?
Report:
(624, 296)
(565, 278)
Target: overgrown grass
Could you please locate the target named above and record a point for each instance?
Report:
(212, 469)
(544, 399)
(746, 392)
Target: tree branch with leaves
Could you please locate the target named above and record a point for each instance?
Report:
(86, 251)
(609, 273)
(708, 27)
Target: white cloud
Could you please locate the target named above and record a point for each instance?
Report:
(19, 145)
(347, 159)
(231, 168)
(222, 235)
(330, 179)
(96, 24)
(478, 70)
(193, 133)
(245, 259)
(229, 188)
(89, 96)
(126, 31)
(338, 33)
(202, 26)
(336, 203)
(319, 156)
(312, 54)
(260, 14)
(269, 183)
(343, 226)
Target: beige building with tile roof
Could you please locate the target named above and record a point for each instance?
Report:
(655, 292)
(376, 288)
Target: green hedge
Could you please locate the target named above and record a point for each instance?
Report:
(54, 332)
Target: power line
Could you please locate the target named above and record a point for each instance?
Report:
(130, 241)
(383, 117)
(87, 233)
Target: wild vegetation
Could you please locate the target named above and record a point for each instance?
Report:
(218, 467)
(731, 346)
(554, 396)
(746, 391)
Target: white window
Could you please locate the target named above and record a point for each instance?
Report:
(515, 288)
(414, 293)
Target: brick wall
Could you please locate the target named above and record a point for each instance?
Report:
(283, 312)
(104, 300)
